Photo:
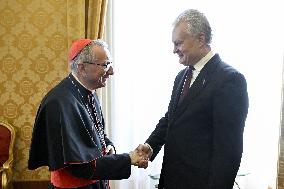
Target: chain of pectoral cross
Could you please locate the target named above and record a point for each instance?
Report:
(97, 124)
(97, 121)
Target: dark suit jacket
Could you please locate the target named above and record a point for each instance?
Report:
(203, 136)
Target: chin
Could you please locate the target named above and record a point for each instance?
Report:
(183, 63)
(101, 85)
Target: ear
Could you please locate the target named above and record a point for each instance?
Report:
(81, 69)
(201, 39)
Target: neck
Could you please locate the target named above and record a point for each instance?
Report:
(205, 50)
(81, 80)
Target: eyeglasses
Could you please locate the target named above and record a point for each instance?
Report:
(106, 65)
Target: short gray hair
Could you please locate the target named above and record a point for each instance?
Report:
(196, 23)
(87, 54)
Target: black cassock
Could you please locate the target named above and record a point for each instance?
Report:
(64, 137)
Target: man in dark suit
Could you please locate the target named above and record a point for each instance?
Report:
(202, 131)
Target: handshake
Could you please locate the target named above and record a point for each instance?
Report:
(140, 156)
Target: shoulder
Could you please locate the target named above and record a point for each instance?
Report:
(229, 72)
(223, 74)
(224, 70)
(59, 95)
(229, 79)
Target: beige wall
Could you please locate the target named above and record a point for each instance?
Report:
(34, 38)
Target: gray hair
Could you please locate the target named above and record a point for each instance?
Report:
(196, 23)
(87, 54)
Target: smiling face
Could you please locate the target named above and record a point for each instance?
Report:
(94, 75)
(186, 46)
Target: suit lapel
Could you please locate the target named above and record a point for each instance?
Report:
(202, 80)
(177, 92)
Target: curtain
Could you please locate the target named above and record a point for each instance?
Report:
(85, 24)
(280, 171)
(95, 18)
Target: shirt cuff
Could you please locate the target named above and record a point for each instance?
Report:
(151, 149)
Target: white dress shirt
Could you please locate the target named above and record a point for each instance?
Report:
(199, 65)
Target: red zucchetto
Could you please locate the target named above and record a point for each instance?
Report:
(76, 47)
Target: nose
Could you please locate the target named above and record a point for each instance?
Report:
(175, 50)
(110, 71)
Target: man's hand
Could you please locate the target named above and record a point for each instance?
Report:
(146, 151)
(135, 157)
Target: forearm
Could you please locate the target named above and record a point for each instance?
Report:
(157, 138)
(116, 166)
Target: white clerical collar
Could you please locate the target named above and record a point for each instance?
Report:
(201, 63)
(82, 83)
